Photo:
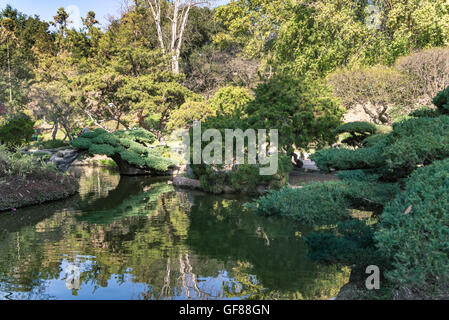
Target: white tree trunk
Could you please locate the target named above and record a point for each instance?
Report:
(155, 6)
(179, 22)
(9, 71)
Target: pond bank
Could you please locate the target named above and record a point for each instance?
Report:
(16, 192)
(298, 178)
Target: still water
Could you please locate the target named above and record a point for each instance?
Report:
(139, 238)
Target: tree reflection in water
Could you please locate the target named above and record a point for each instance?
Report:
(138, 238)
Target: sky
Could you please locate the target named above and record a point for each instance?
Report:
(46, 9)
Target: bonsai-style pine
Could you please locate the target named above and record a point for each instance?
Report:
(129, 149)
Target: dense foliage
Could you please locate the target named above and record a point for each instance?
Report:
(302, 112)
(414, 232)
(17, 130)
(358, 132)
(413, 142)
(407, 236)
(129, 146)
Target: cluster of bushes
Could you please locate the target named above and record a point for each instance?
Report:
(17, 130)
(386, 94)
(412, 143)
(356, 132)
(23, 166)
(28, 180)
(414, 232)
(243, 178)
(303, 112)
(325, 203)
(50, 144)
(129, 146)
(407, 235)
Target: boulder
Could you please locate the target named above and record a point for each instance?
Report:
(183, 182)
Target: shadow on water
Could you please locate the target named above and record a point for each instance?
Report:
(139, 238)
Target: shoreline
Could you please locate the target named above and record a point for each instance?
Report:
(16, 193)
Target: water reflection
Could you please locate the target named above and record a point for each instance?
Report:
(138, 238)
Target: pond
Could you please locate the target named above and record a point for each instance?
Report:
(138, 238)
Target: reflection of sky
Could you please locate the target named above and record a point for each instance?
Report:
(119, 287)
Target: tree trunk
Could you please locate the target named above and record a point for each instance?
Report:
(55, 131)
(9, 71)
(296, 161)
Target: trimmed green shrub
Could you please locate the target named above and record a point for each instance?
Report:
(103, 149)
(128, 145)
(357, 175)
(375, 139)
(358, 132)
(347, 159)
(414, 231)
(325, 203)
(413, 142)
(316, 204)
(139, 135)
(93, 134)
(106, 138)
(133, 158)
(417, 142)
(82, 143)
(360, 127)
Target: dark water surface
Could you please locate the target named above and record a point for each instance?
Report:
(139, 238)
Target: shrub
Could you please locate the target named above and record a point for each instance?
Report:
(304, 112)
(357, 175)
(324, 203)
(416, 142)
(425, 112)
(376, 89)
(22, 166)
(139, 135)
(17, 130)
(82, 143)
(358, 127)
(412, 142)
(441, 101)
(358, 131)
(245, 178)
(102, 149)
(133, 158)
(129, 145)
(428, 71)
(417, 241)
(375, 139)
(230, 100)
(316, 204)
(346, 159)
(106, 138)
(93, 134)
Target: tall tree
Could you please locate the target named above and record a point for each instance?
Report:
(60, 21)
(178, 14)
(8, 36)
